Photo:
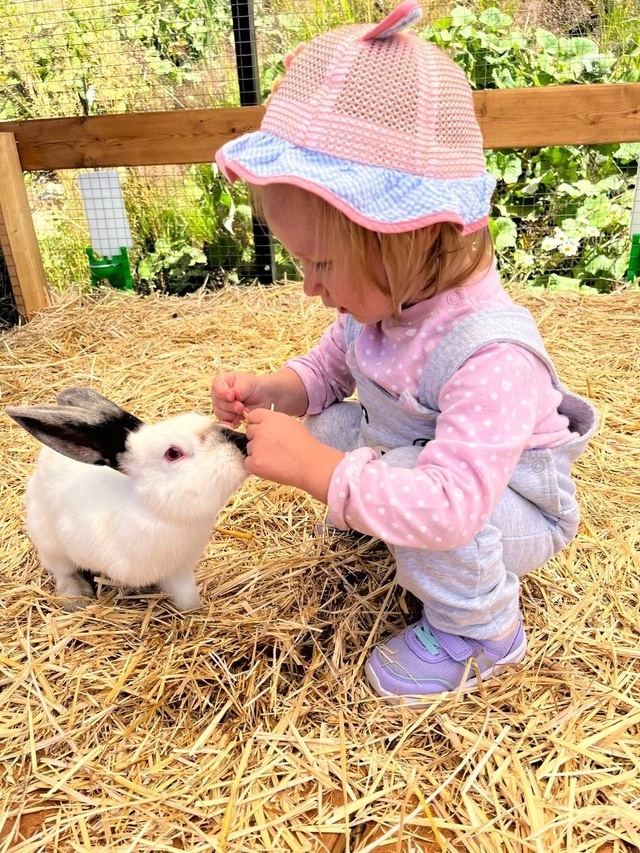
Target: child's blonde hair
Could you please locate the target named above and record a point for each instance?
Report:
(418, 264)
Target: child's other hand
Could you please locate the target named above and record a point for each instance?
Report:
(233, 393)
(282, 450)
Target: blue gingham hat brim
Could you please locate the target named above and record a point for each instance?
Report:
(383, 200)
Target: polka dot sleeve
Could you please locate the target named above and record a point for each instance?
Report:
(488, 414)
(324, 371)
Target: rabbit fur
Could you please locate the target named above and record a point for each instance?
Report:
(130, 501)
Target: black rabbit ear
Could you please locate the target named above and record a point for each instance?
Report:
(85, 426)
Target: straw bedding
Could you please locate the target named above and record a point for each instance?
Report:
(248, 726)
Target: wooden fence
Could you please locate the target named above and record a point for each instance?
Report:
(591, 114)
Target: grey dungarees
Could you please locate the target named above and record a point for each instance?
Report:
(472, 590)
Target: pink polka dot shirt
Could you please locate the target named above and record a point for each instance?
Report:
(499, 403)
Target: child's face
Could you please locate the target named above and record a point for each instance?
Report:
(328, 271)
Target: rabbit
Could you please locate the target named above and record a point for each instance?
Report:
(131, 501)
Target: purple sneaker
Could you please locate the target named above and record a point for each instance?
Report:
(422, 662)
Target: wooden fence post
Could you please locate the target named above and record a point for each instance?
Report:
(17, 234)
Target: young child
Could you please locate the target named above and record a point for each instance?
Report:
(369, 169)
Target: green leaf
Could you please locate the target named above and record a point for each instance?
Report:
(462, 17)
(599, 265)
(620, 265)
(563, 283)
(628, 152)
(512, 169)
(495, 19)
(547, 41)
(146, 269)
(579, 46)
(504, 232)
(512, 41)
(505, 166)
(569, 189)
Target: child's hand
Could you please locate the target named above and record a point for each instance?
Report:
(284, 451)
(233, 393)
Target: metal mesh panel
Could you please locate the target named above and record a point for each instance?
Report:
(188, 229)
(73, 57)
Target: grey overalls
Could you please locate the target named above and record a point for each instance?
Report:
(472, 590)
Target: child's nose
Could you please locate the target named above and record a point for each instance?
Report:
(312, 285)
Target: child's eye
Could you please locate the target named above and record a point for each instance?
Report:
(321, 265)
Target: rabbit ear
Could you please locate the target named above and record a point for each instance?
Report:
(87, 398)
(85, 426)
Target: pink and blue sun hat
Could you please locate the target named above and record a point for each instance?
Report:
(377, 122)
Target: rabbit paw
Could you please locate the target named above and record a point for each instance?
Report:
(76, 592)
(182, 591)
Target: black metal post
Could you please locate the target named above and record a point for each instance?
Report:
(249, 82)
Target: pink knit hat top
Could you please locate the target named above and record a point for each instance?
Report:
(378, 122)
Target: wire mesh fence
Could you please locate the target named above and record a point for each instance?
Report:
(9, 315)
(561, 215)
(73, 57)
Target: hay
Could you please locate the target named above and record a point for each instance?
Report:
(249, 726)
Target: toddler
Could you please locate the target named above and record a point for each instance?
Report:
(369, 168)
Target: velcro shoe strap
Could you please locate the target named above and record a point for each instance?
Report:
(456, 647)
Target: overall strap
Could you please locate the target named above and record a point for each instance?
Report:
(504, 324)
(351, 330)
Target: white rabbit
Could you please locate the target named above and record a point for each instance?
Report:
(131, 501)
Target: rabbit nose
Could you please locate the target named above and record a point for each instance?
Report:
(238, 438)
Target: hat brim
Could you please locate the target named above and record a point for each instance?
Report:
(384, 200)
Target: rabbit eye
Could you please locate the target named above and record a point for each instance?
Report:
(172, 453)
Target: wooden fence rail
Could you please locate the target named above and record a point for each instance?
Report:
(509, 118)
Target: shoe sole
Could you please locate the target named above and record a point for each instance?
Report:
(412, 700)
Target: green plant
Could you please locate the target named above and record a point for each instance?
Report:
(62, 236)
(181, 32)
(553, 227)
(187, 237)
(498, 54)
(80, 60)
(560, 216)
(174, 268)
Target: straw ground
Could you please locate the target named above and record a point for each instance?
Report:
(248, 726)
